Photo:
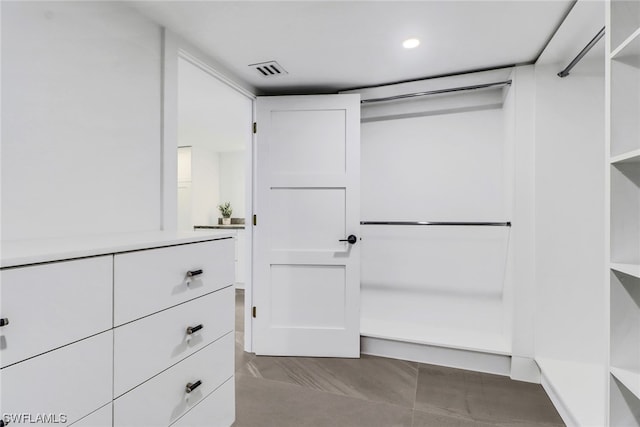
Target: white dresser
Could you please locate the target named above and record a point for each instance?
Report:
(119, 330)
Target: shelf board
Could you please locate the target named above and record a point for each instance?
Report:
(628, 48)
(628, 157)
(630, 269)
(624, 406)
(461, 339)
(579, 388)
(630, 379)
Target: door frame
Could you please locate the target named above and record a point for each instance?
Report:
(173, 49)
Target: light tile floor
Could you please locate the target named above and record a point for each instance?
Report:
(377, 392)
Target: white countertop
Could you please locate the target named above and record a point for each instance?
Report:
(23, 252)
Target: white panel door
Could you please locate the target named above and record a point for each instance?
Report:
(306, 280)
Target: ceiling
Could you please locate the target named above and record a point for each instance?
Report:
(326, 46)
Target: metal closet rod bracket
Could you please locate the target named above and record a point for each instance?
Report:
(583, 52)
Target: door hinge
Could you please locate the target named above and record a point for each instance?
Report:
(253, 311)
(255, 127)
(255, 220)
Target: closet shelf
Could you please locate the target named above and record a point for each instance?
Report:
(628, 48)
(630, 379)
(623, 142)
(578, 386)
(628, 157)
(630, 269)
(461, 339)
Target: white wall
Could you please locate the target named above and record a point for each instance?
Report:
(447, 167)
(569, 212)
(185, 201)
(205, 185)
(519, 108)
(570, 181)
(210, 112)
(232, 181)
(81, 95)
(571, 322)
(215, 120)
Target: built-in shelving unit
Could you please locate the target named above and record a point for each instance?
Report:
(624, 21)
(624, 405)
(461, 339)
(630, 379)
(625, 330)
(578, 386)
(628, 157)
(438, 288)
(630, 269)
(623, 142)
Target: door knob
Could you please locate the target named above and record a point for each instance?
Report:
(351, 239)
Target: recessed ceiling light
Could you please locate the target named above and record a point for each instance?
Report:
(410, 43)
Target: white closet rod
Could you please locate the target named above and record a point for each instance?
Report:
(583, 52)
(493, 224)
(436, 92)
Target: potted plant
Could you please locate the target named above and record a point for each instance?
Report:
(225, 210)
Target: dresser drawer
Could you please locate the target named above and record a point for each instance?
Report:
(150, 345)
(51, 305)
(74, 380)
(103, 417)
(163, 399)
(151, 280)
(215, 410)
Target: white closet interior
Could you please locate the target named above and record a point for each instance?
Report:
(437, 158)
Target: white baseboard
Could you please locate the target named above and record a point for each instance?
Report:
(577, 390)
(434, 355)
(525, 369)
(557, 401)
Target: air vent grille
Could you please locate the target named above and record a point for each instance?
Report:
(269, 69)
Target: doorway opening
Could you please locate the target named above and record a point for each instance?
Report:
(214, 166)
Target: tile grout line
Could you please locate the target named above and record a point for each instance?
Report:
(415, 395)
(364, 400)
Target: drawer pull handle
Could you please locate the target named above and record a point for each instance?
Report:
(4, 322)
(193, 329)
(192, 386)
(194, 273)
